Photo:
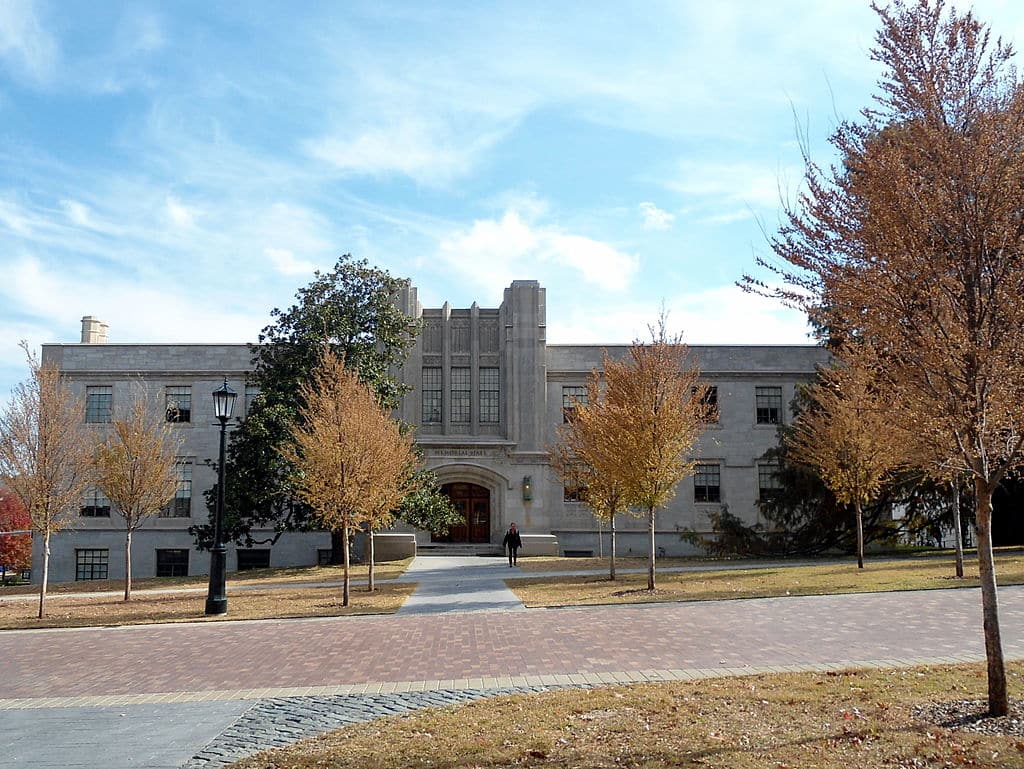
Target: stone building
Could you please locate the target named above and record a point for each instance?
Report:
(488, 395)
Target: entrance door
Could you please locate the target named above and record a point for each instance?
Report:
(474, 503)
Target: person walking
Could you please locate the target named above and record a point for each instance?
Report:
(513, 542)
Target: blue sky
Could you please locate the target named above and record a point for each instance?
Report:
(178, 169)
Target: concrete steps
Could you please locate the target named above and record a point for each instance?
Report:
(484, 550)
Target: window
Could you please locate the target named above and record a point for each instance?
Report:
(179, 404)
(95, 504)
(572, 397)
(431, 395)
(461, 389)
(707, 483)
(251, 391)
(98, 401)
(181, 505)
(172, 562)
(768, 401)
(92, 564)
(575, 487)
(323, 556)
(253, 558)
(710, 401)
(768, 483)
(489, 395)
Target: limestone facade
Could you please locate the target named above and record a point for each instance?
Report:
(488, 394)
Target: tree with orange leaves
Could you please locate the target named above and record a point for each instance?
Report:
(352, 462)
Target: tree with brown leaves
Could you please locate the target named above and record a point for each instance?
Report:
(351, 459)
(915, 244)
(136, 468)
(573, 459)
(45, 454)
(651, 414)
(844, 435)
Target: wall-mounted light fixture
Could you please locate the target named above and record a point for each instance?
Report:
(527, 488)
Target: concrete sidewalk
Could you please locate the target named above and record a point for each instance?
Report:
(161, 696)
(469, 583)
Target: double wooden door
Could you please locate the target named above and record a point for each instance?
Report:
(474, 503)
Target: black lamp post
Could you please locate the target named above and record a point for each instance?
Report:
(216, 598)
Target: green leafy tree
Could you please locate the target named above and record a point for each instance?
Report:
(351, 310)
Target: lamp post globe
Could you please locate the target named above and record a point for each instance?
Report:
(216, 597)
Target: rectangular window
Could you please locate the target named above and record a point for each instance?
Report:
(323, 556)
(181, 505)
(707, 483)
(98, 402)
(461, 389)
(172, 562)
(92, 564)
(573, 396)
(575, 487)
(179, 404)
(251, 391)
(489, 396)
(431, 395)
(768, 483)
(768, 401)
(95, 504)
(710, 402)
(253, 558)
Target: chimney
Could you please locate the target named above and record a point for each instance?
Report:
(94, 331)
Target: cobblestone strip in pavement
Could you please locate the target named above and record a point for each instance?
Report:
(280, 721)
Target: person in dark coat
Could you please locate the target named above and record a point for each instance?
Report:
(513, 542)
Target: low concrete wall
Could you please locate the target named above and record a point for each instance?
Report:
(539, 544)
(393, 546)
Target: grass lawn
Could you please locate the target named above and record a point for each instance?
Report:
(64, 608)
(862, 719)
(911, 573)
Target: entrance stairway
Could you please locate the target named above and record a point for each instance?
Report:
(484, 550)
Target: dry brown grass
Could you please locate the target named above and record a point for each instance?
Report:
(387, 570)
(260, 598)
(147, 608)
(861, 719)
(877, 576)
(540, 564)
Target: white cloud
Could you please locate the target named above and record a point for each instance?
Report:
(24, 43)
(77, 212)
(720, 315)
(495, 252)
(654, 218)
(286, 263)
(179, 213)
(430, 152)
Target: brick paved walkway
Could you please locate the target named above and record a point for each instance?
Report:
(77, 678)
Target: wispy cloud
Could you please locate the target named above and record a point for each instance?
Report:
(654, 218)
(25, 45)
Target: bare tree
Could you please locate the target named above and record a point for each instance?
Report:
(45, 453)
(351, 460)
(915, 243)
(652, 412)
(845, 435)
(136, 468)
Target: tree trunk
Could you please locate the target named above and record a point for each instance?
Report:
(958, 531)
(860, 535)
(344, 552)
(337, 548)
(128, 565)
(46, 572)
(611, 547)
(600, 538)
(998, 703)
(369, 545)
(650, 555)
